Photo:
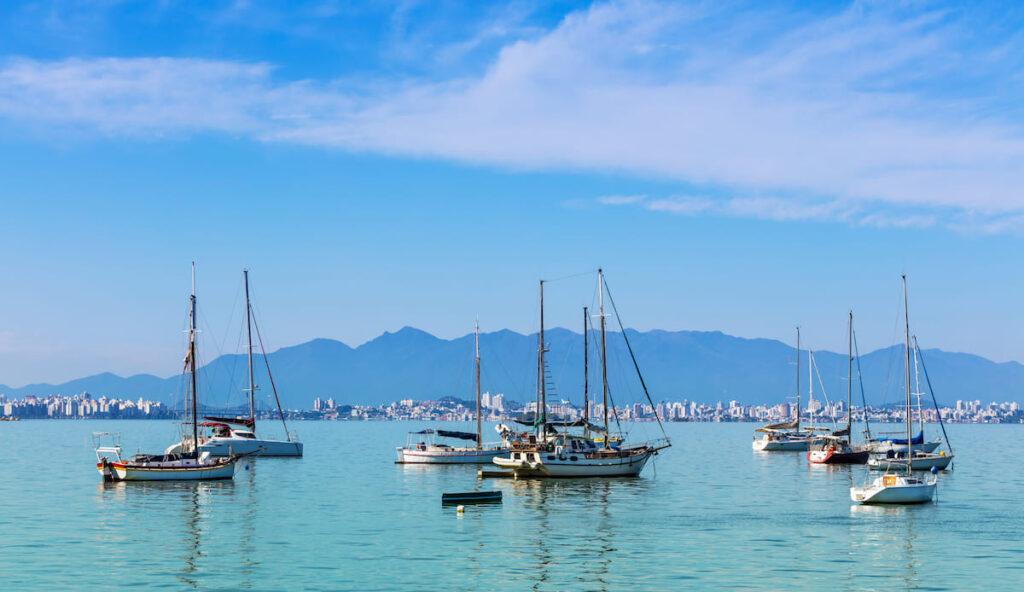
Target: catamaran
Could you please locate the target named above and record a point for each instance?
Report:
(180, 466)
(550, 453)
(785, 436)
(237, 435)
(424, 446)
(896, 488)
(837, 447)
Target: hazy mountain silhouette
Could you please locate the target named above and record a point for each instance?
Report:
(677, 365)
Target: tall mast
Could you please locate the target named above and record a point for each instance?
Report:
(192, 362)
(906, 320)
(810, 387)
(604, 354)
(798, 379)
(476, 341)
(542, 397)
(849, 389)
(248, 325)
(586, 377)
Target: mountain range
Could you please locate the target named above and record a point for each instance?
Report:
(676, 365)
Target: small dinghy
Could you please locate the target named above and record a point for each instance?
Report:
(470, 497)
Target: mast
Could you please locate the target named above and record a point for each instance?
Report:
(798, 379)
(248, 325)
(192, 361)
(604, 353)
(849, 389)
(810, 387)
(906, 320)
(586, 377)
(479, 440)
(542, 398)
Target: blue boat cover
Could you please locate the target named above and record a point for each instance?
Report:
(449, 434)
(918, 439)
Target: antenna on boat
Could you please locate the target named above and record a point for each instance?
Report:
(798, 379)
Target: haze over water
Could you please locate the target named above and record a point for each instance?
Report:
(707, 513)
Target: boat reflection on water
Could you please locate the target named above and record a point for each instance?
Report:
(893, 549)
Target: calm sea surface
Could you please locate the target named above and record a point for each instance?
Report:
(707, 514)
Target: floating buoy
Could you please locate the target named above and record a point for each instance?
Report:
(246, 467)
(935, 470)
(460, 509)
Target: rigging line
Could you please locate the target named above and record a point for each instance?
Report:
(860, 377)
(824, 393)
(269, 375)
(633, 357)
(928, 381)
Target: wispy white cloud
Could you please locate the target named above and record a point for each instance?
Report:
(618, 200)
(861, 109)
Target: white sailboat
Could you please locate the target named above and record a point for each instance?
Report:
(838, 447)
(428, 450)
(187, 466)
(548, 453)
(237, 435)
(785, 436)
(896, 488)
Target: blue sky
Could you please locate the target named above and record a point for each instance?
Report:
(732, 166)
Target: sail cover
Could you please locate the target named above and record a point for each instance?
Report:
(842, 432)
(919, 438)
(449, 434)
(242, 421)
(786, 425)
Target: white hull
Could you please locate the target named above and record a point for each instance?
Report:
(780, 445)
(884, 447)
(447, 457)
(227, 446)
(546, 465)
(177, 471)
(900, 490)
(939, 462)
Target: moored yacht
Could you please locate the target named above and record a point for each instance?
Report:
(181, 466)
(549, 453)
(237, 435)
(428, 450)
(785, 436)
(838, 447)
(895, 488)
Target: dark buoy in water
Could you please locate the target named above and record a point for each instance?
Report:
(935, 470)
(246, 467)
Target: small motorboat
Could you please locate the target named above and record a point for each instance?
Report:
(895, 489)
(470, 497)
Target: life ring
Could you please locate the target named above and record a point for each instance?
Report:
(831, 449)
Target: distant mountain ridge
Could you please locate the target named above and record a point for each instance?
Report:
(677, 365)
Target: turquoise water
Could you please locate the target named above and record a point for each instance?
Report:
(707, 514)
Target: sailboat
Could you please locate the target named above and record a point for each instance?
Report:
(899, 488)
(837, 447)
(919, 460)
(181, 466)
(785, 436)
(237, 435)
(428, 450)
(550, 453)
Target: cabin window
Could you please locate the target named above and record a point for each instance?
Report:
(516, 456)
(551, 457)
(573, 458)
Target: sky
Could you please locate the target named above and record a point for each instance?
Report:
(732, 166)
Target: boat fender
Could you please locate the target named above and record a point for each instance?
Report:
(831, 449)
(935, 470)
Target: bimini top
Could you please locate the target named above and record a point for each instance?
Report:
(242, 421)
(786, 425)
(449, 434)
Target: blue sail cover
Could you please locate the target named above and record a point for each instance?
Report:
(918, 439)
(449, 434)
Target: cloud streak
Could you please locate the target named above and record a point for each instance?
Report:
(848, 116)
